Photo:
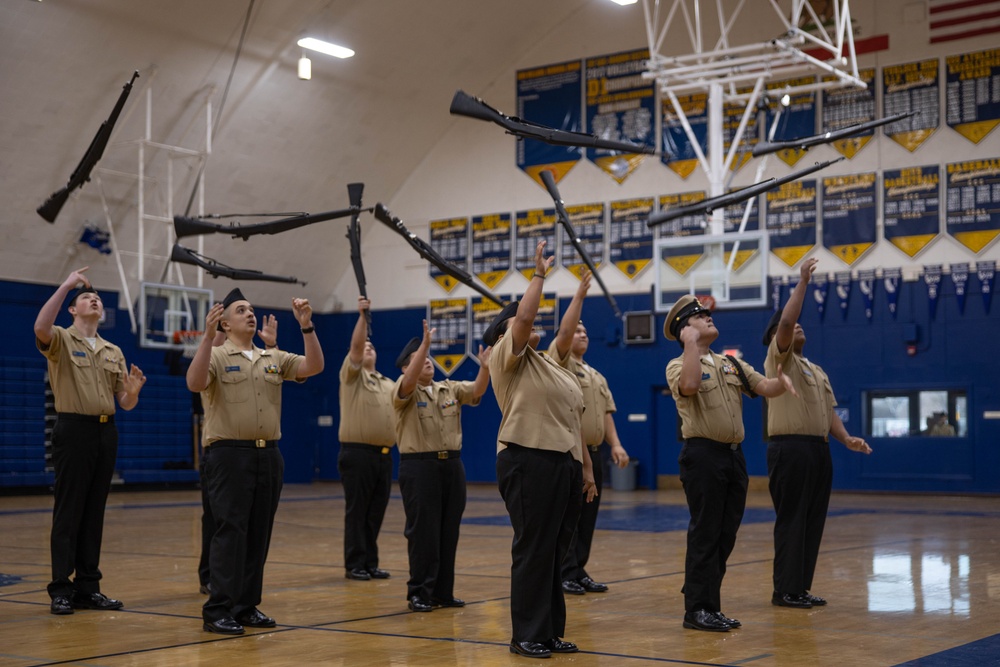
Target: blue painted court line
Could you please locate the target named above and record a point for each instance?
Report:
(979, 653)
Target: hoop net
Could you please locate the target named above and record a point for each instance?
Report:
(189, 340)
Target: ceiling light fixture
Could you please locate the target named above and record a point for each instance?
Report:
(624, 2)
(325, 47)
(305, 68)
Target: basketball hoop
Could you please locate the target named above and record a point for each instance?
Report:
(189, 340)
(706, 300)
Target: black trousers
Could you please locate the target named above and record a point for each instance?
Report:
(800, 476)
(244, 485)
(575, 562)
(83, 455)
(541, 490)
(207, 521)
(367, 477)
(434, 500)
(715, 484)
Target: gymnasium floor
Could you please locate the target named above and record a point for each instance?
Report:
(911, 580)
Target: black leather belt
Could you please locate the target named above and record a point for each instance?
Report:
(441, 456)
(365, 447)
(252, 444)
(808, 439)
(93, 419)
(594, 448)
(705, 441)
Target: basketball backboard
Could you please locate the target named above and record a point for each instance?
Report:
(167, 309)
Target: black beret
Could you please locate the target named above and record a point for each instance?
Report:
(410, 348)
(492, 333)
(78, 292)
(686, 306)
(772, 326)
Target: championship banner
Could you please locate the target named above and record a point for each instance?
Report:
(621, 106)
(932, 278)
(678, 152)
(588, 223)
(843, 107)
(890, 280)
(798, 119)
(732, 114)
(972, 215)
(483, 312)
(448, 344)
(491, 247)
(959, 278)
(790, 220)
(550, 95)
(843, 290)
(911, 87)
(866, 284)
(530, 227)
(682, 259)
(911, 207)
(821, 286)
(631, 241)
(986, 272)
(733, 219)
(450, 238)
(849, 215)
(973, 93)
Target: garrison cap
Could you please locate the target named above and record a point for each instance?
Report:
(772, 326)
(234, 295)
(492, 333)
(410, 348)
(686, 306)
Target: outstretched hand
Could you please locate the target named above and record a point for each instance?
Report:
(268, 331)
(787, 381)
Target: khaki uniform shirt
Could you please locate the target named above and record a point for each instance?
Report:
(716, 411)
(430, 419)
(597, 398)
(541, 402)
(366, 413)
(84, 381)
(243, 397)
(809, 414)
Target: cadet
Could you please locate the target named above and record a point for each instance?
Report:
(707, 388)
(799, 467)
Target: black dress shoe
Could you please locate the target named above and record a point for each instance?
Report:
(255, 619)
(732, 622)
(557, 645)
(592, 586)
(60, 606)
(573, 588)
(794, 600)
(376, 573)
(814, 600)
(453, 602)
(224, 626)
(358, 574)
(95, 601)
(530, 649)
(704, 620)
(419, 604)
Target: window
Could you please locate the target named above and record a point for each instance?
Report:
(937, 413)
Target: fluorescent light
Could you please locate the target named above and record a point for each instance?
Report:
(305, 68)
(624, 2)
(325, 47)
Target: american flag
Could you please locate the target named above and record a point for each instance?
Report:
(960, 19)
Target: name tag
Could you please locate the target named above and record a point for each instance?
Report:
(232, 369)
(77, 353)
(421, 404)
(807, 372)
(706, 376)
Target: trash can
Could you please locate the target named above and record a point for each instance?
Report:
(624, 479)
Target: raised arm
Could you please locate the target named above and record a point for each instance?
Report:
(690, 380)
(483, 376)
(776, 386)
(313, 362)
(571, 318)
(268, 332)
(790, 315)
(839, 431)
(47, 315)
(133, 381)
(197, 373)
(360, 333)
(416, 365)
(520, 328)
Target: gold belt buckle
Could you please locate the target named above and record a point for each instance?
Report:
(385, 450)
(103, 419)
(260, 443)
(442, 456)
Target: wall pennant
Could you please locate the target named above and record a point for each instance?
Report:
(843, 290)
(986, 271)
(959, 277)
(932, 278)
(866, 283)
(821, 286)
(890, 280)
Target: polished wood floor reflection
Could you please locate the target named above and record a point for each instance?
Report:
(908, 578)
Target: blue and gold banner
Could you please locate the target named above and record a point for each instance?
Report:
(678, 152)
(630, 246)
(932, 278)
(450, 238)
(588, 222)
(843, 279)
(449, 343)
(531, 227)
(959, 278)
(911, 87)
(621, 106)
(798, 119)
(790, 220)
(849, 215)
(911, 207)
(986, 272)
(866, 284)
(972, 216)
(973, 93)
(550, 95)
(483, 312)
(491, 247)
(681, 259)
(843, 107)
(890, 280)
